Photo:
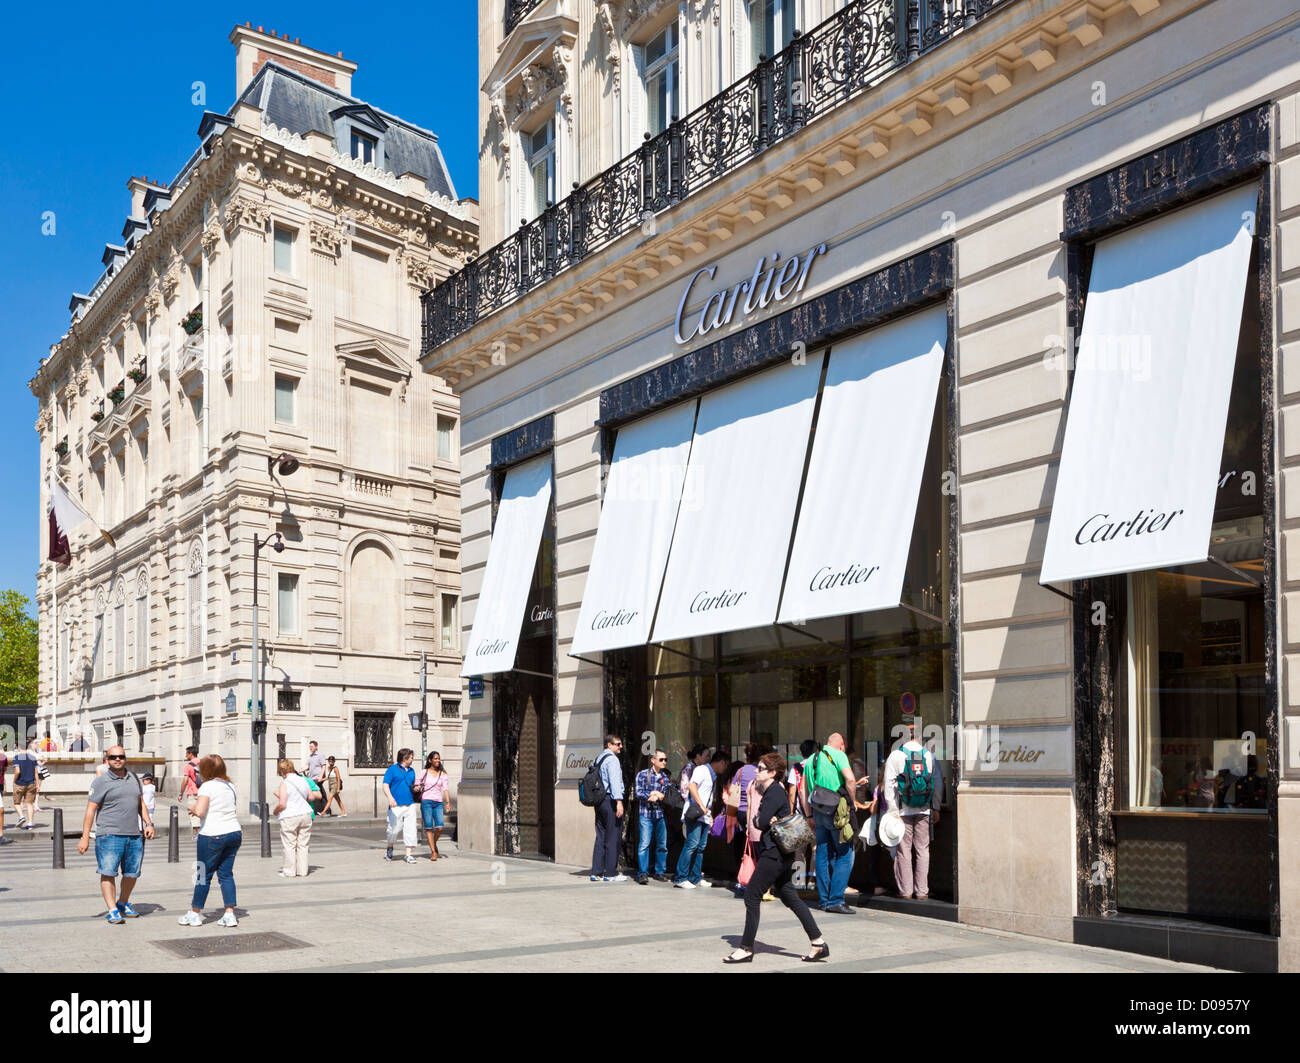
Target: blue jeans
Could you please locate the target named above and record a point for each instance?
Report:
(119, 854)
(656, 829)
(215, 856)
(834, 861)
(690, 865)
(431, 814)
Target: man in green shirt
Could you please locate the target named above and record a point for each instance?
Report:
(829, 768)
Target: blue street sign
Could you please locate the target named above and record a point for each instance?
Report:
(476, 686)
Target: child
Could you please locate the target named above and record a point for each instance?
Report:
(150, 791)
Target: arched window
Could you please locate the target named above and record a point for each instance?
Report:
(197, 605)
(119, 627)
(373, 605)
(97, 648)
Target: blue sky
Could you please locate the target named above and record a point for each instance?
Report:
(100, 93)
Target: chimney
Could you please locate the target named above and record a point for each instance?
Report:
(140, 187)
(254, 46)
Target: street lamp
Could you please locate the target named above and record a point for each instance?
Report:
(276, 541)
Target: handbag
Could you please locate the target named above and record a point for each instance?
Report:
(732, 799)
(792, 833)
(418, 788)
(672, 801)
(746, 871)
(693, 813)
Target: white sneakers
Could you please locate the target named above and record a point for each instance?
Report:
(193, 918)
(616, 878)
(685, 885)
(703, 884)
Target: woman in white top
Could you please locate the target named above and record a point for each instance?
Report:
(294, 810)
(217, 843)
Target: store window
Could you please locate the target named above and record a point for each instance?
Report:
(1196, 636)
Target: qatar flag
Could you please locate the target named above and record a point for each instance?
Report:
(66, 515)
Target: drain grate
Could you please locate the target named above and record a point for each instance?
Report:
(192, 948)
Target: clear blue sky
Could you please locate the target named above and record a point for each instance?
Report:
(99, 93)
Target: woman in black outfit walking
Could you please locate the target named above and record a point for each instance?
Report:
(773, 869)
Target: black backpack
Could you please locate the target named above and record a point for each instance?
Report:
(591, 791)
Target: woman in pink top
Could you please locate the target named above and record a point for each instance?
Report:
(435, 800)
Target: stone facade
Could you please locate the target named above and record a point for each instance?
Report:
(266, 304)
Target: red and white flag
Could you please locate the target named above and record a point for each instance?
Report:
(66, 515)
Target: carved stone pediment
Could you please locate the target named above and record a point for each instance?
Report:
(540, 82)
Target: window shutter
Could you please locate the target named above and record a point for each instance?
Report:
(637, 123)
(739, 41)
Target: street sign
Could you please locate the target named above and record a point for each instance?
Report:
(261, 707)
(230, 703)
(476, 686)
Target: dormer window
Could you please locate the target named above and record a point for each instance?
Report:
(364, 147)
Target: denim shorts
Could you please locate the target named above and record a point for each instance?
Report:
(119, 854)
(431, 812)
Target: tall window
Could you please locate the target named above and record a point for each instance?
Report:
(446, 426)
(119, 636)
(662, 79)
(771, 27)
(286, 604)
(541, 165)
(286, 390)
(364, 147)
(284, 250)
(141, 632)
(195, 581)
(65, 651)
(450, 634)
(97, 650)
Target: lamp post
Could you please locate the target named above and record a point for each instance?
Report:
(286, 464)
(258, 757)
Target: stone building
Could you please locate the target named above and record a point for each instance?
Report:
(263, 304)
(936, 362)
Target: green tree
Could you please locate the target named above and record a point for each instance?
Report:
(19, 656)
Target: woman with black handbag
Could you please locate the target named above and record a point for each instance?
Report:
(773, 865)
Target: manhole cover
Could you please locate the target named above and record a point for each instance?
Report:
(191, 948)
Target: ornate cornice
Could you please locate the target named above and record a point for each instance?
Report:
(242, 212)
(325, 239)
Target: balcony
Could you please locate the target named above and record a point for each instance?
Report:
(817, 73)
(517, 11)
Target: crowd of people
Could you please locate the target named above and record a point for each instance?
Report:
(786, 824)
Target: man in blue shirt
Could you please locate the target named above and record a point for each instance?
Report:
(609, 814)
(398, 781)
(651, 783)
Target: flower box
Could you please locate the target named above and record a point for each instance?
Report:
(193, 322)
(136, 374)
(97, 416)
(117, 394)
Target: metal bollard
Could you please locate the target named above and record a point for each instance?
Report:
(174, 836)
(266, 830)
(58, 837)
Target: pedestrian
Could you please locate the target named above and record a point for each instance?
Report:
(315, 770)
(218, 841)
(609, 815)
(25, 787)
(772, 867)
(4, 764)
(42, 773)
(913, 789)
(827, 788)
(150, 792)
(697, 819)
(399, 786)
(115, 807)
(699, 755)
(190, 786)
(794, 783)
(334, 787)
(293, 808)
(651, 784)
(79, 744)
(435, 800)
(741, 782)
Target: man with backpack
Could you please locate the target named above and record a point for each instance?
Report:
(604, 793)
(828, 789)
(914, 789)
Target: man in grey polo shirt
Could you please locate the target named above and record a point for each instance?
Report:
(115, 807)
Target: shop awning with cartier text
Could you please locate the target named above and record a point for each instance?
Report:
(1140, 459)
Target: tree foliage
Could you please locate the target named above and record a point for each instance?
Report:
(19, 654)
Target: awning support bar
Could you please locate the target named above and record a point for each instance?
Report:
(1067, 597)
(587, 660)
(799, 631)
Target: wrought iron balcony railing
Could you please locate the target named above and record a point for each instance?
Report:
(516, 10)
(819, 71)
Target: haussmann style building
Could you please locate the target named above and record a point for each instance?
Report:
(262, 305)
(825, 361)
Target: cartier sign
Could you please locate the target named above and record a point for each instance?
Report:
(576, 760)
(773, 281)
(477, 763)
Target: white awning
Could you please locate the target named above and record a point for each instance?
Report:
(1140, 460)
(864, 476)
(642, 494)
(738, 504)
(499, 615)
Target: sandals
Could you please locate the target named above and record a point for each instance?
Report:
(733, 958)
(820, 951)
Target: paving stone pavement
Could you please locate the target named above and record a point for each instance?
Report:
(467, 912)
